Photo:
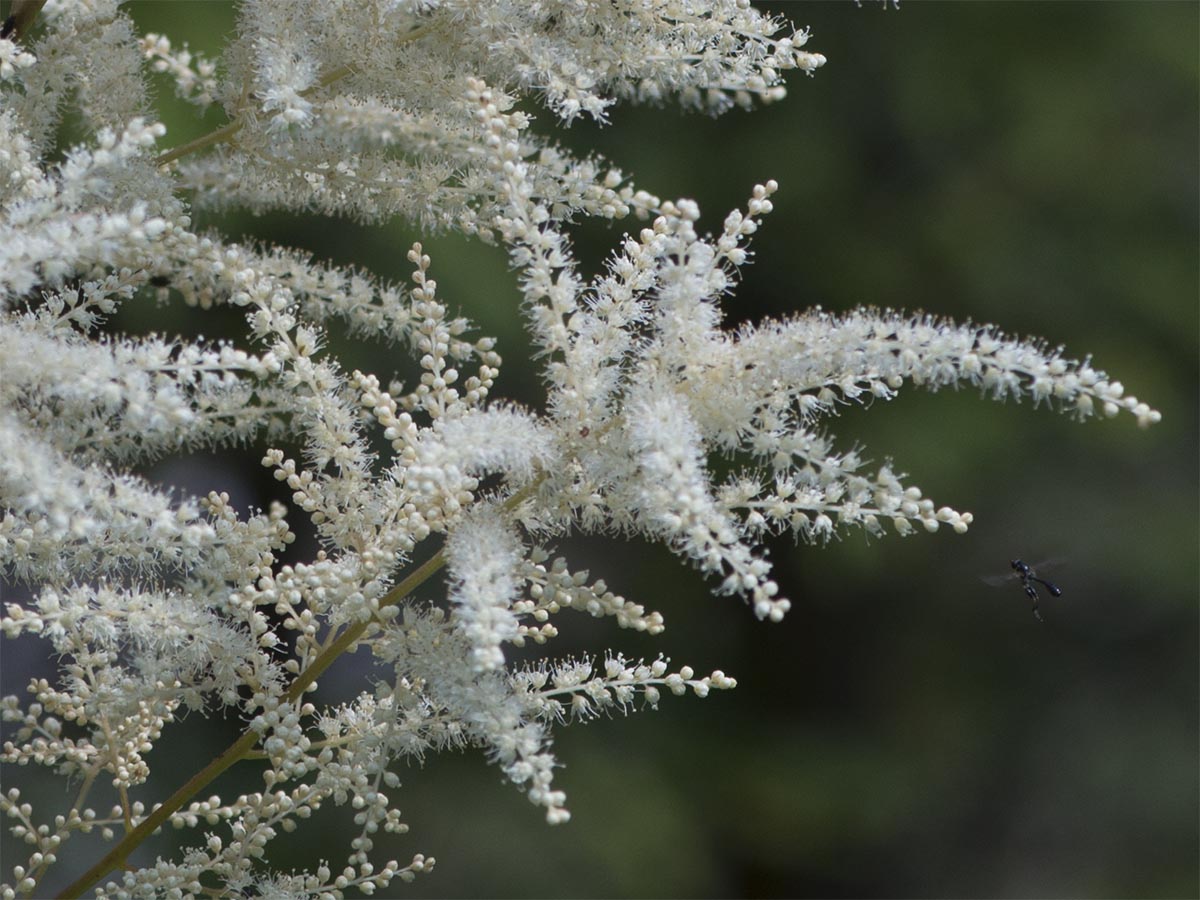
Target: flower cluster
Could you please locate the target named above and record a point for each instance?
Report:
(158, 604)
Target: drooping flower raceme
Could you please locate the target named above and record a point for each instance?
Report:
(158, 604)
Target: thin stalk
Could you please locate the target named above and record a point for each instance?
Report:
(239, 748)
(222, 135)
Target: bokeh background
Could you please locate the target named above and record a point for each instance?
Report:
(907, 731)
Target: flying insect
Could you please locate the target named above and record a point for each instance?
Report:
(1028, 576)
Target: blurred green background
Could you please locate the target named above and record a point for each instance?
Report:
(906, 731)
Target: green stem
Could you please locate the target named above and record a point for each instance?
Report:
(220, 136)
(239, 748)
(117, 855)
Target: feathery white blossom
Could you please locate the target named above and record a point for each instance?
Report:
(374, 109)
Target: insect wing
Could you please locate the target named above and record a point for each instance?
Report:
(999, 580)
(1009, 577)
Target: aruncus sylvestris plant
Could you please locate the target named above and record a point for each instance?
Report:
(157, 605)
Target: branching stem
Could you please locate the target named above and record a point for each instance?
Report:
(242, 746)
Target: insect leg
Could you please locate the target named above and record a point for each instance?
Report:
(1032, 594)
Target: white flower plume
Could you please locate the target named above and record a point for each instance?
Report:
(661, 419)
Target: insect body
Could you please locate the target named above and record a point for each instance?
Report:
(1029, 579)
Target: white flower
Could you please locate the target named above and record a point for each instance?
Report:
(373, 109)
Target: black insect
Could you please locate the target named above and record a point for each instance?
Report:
(1028, 576)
